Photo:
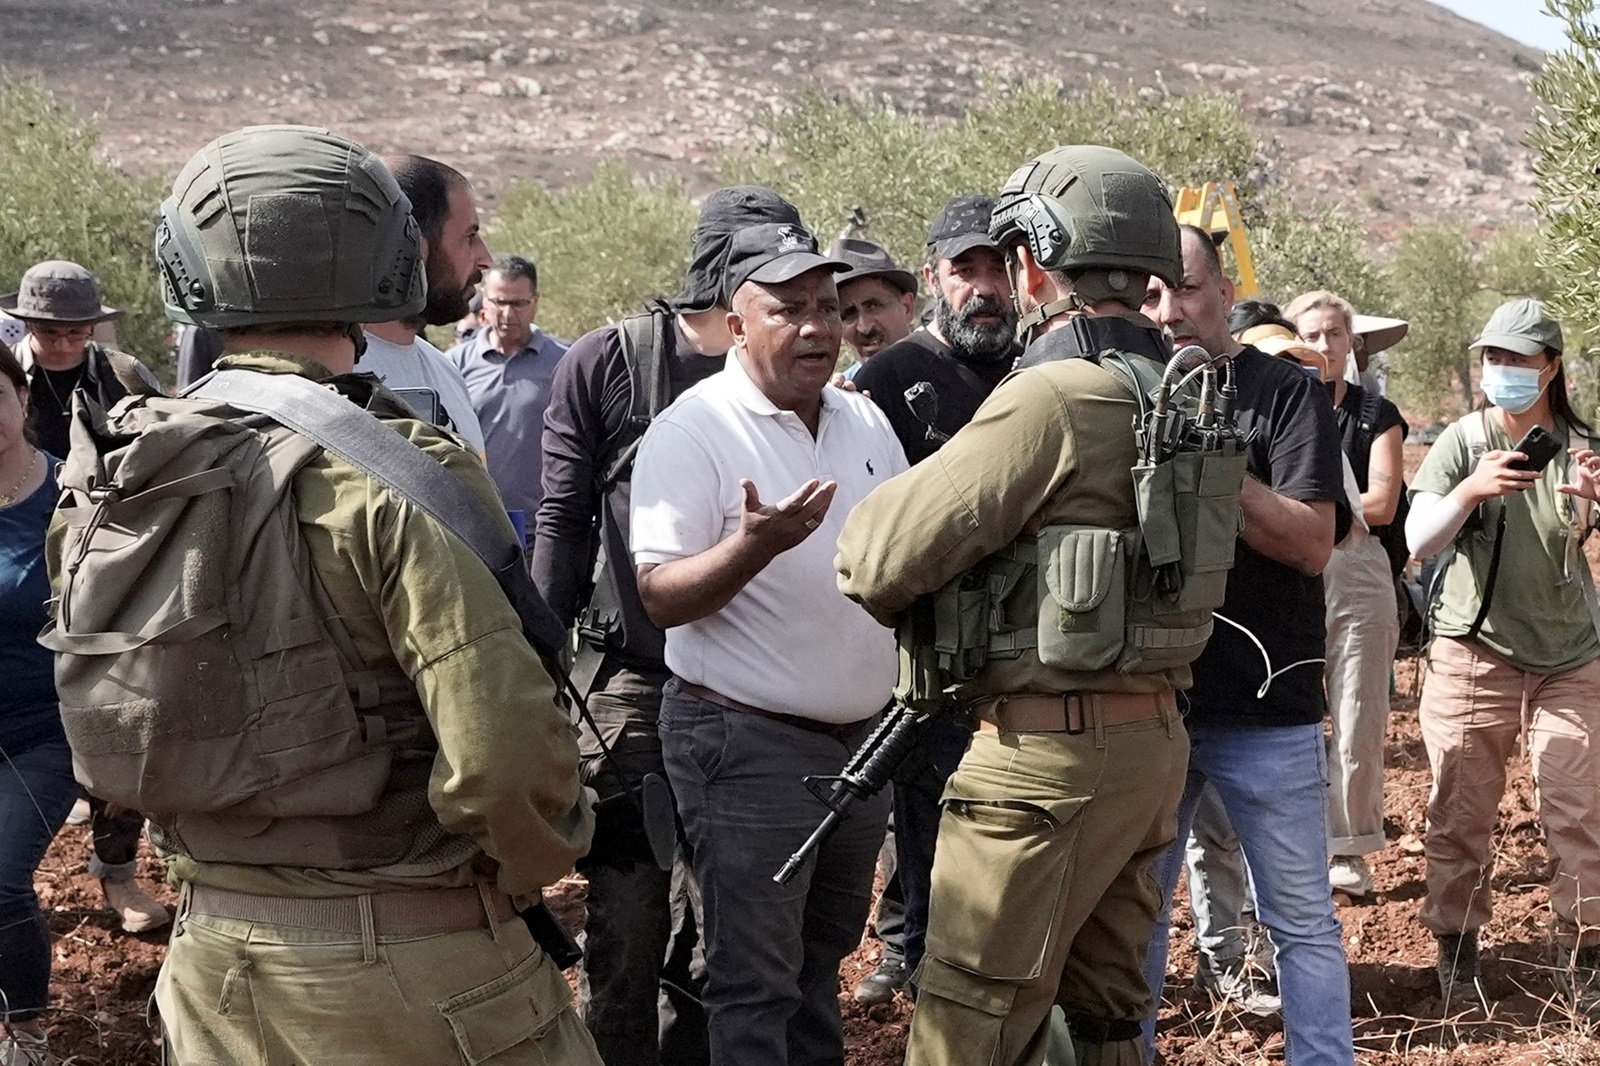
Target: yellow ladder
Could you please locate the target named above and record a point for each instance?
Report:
(1200, 207)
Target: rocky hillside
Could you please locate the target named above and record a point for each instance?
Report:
(1396, 107)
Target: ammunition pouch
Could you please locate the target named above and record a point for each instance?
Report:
(1085, 598)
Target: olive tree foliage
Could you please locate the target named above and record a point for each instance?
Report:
(831, 153)
(1436, 281)
(603, 245)
(59, 199)
(1566, 137)
(606, 243)
(1323, 248)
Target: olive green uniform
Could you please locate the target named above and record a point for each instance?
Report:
(1041, 884)
(412, 597)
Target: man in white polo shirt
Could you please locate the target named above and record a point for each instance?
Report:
(776, 674)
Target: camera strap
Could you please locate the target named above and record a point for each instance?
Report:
(1489, 583)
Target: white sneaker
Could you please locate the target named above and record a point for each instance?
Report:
(20, 1047)
(1349, 874)
(1240, 989)
(80, 813)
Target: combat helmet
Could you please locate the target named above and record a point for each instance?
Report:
(272, 225)
(1096, 214)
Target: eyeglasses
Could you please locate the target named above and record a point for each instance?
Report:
(514, 304)
(62, 333)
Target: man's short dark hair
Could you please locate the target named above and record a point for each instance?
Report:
(1209, 243)
(512, 267)
(427, 184)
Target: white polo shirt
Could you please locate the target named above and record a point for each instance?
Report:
(789, 641)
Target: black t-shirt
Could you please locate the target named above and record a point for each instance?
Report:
(961, 387)
(590, 398)
(50, 397)
(1294, 452)
(1348, 417)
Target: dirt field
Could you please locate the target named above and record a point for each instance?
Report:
(103, 977)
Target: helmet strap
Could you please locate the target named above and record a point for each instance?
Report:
(358, 336)
(1030, 322)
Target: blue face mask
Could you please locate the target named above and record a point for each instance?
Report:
(1513, 388)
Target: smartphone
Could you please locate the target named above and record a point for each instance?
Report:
(1540, 446)
(423, 401)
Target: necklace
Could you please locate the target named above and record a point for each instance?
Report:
(77, 379)
(10, 496)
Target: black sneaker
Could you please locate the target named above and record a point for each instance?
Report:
(1458, 967)
(881, 984)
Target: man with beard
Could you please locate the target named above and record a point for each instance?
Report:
(970, 345)
(952, 364)
(508, 366)
(447, 213)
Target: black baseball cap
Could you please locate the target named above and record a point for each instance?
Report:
(771, 253)
(724, 213)
(962, 224)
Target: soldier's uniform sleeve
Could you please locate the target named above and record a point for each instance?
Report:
(506, 772)
(918, 530)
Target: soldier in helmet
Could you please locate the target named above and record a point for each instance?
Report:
(1041, 878)
(284, 238)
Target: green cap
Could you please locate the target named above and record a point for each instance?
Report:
(1521, 326)
(284, 224)
(1085, 206)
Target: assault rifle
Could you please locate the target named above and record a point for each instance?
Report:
(869, 769)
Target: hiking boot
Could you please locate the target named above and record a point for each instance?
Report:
(881, 984)
(24, 1047)
(1458, 967)
(139, 913)
(1349, 874)
(1240, 989)
(1578, 977)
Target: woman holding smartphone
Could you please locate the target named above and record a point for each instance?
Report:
(1506, 494)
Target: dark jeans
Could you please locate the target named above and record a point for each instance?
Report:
(115, 848)
(917, 790)
(772, 951)
(639, 985)
(36, 792)
(890, 922)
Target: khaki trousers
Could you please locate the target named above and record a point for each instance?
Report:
(1363, 630)
(241, 993)
(1043, 892)
(1472, 710)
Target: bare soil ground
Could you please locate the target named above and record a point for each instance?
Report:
(104, 978)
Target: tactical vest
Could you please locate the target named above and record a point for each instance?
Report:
(1083, 598)
(204, 675)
